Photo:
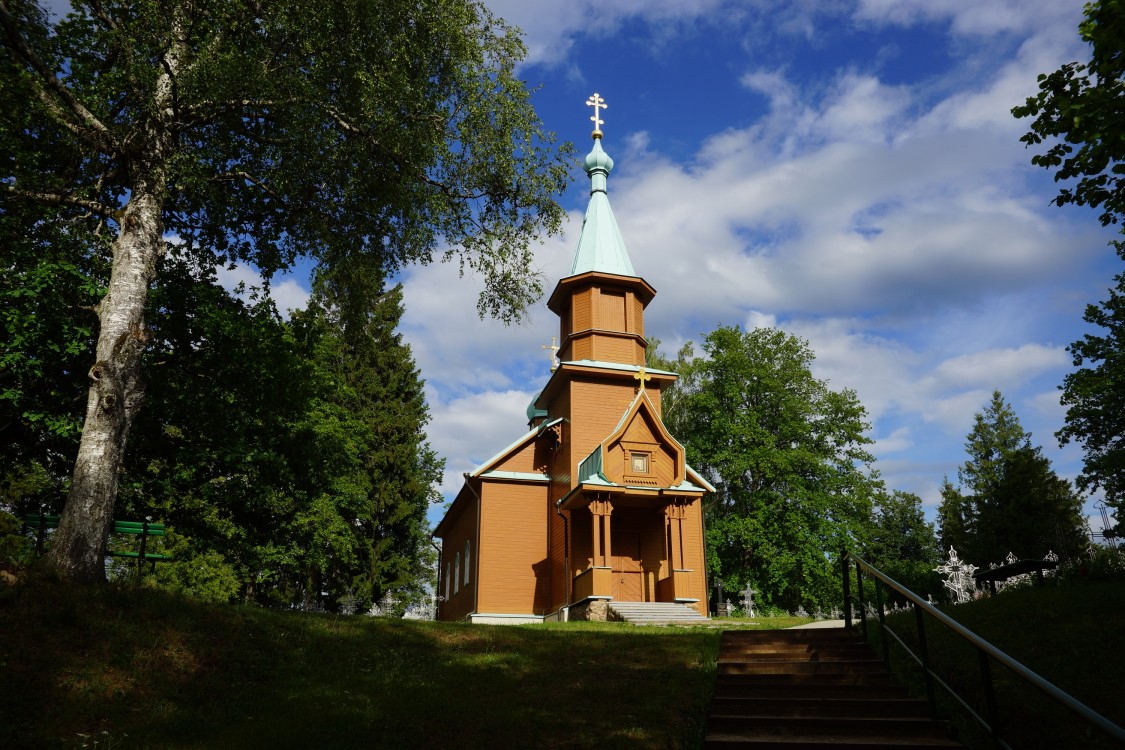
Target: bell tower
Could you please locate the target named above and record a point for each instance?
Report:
(601, 303)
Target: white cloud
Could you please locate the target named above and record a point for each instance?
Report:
(287, 293)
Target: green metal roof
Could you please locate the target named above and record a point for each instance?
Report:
(600, 247)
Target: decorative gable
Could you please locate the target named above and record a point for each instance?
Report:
(641, 452)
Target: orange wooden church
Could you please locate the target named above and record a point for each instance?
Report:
(594, 503)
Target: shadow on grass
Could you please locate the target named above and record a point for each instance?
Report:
(112, 667)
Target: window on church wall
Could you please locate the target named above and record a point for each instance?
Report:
(466, 563)
(639, 462)
(447, 580)
(457, 573)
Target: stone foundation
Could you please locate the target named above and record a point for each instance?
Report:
(592, 610)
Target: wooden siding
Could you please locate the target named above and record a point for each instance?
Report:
(530, 457)
(461, 528)
(513, 558)
(694, 559)
(614, 349)
(638, 320)
(597, 408)
(581, 541)
(558, 578)
(582, 310)
(611, 311)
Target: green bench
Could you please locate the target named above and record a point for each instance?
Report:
(41, 522)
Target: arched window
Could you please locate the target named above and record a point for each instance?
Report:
(447, 580)
(457, 573)
(466, 563)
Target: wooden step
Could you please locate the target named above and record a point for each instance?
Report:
(816, 689)
(819, 706)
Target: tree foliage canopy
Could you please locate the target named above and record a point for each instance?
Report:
(361, 133)
(1010, 500)
(787, 455)
(1080, 111)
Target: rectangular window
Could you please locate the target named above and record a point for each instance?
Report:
(466, 563)
(638, 462)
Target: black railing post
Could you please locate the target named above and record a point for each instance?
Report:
(989, 696)
(882, 624)
(847, 589)
(859, 599)
(919, 617)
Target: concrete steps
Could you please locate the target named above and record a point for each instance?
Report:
(813, 688)
(655, 613)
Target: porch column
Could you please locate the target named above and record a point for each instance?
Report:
(596, 517)
(607, 508)
(674, 512)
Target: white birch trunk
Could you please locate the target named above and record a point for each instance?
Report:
(116, 390)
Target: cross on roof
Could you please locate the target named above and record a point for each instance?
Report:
(642, 376)
(554, 347)
(597, 103)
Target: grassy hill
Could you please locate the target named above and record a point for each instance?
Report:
(124, 668)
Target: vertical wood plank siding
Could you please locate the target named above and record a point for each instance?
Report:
(513, 548)
(463, 528)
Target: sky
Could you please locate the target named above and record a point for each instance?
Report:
(846, 170)
(849, 172)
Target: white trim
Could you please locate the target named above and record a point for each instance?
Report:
(487, 618)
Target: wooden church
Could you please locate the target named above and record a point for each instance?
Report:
(594, 504)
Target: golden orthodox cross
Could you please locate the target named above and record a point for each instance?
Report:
(554, 347)
(597, 103)
(642, 376)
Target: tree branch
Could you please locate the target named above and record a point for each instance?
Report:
(62, 199)
(241, 175)
(19, 47)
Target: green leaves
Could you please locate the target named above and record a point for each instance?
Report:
(1079, 111)
(786, 455)
(1010, 500)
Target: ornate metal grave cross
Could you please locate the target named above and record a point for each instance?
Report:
(748, 600)
(597, 103)
(959, 577)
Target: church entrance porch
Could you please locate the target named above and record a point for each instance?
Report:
(629, 551)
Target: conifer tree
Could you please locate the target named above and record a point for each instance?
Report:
(1010, 500)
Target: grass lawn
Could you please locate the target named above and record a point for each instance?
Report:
(122, 668)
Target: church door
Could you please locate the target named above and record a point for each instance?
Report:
(628, 575)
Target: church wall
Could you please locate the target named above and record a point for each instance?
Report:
(558, 580)
(692, 531)
(460, 529)
(513, 564)
(560, 469)
(598, 406)
(522, 460)
(614, 349)
(611, 311)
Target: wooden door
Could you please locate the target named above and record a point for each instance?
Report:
(628, 575)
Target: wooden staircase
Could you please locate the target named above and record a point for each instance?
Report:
(813, 688)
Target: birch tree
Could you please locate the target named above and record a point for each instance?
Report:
(241, 131)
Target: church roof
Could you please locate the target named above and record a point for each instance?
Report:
(600, 247)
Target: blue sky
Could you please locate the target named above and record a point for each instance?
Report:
(847, 171)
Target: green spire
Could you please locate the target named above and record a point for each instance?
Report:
(600, 248)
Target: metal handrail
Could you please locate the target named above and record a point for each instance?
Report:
(985, 650)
